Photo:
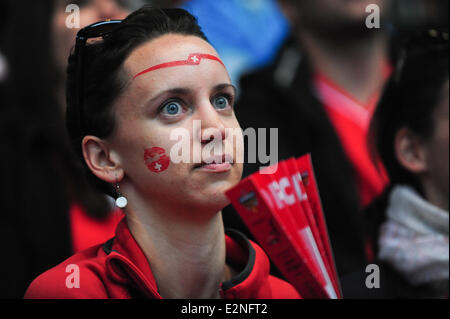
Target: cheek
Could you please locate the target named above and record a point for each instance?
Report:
(444, 150)
(235, 139)
(438, 157)
(156, 159)
(149, 168)
(440, 143)
(156, 154)
(142, 148)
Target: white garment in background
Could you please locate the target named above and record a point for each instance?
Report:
(414, 239)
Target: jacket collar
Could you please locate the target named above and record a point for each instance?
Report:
(127, 265)
(250, 281)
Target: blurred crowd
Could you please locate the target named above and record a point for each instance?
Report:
(369, 104)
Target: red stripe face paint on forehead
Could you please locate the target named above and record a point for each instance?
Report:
(193, 59)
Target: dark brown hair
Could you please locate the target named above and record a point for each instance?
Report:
(103, 66)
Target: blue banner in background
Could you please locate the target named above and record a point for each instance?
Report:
(246, 33)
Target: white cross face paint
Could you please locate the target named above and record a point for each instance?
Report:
(194, 59)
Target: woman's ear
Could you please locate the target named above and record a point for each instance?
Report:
(102, 162)
(410, 151)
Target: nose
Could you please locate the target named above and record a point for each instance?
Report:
(211, 125)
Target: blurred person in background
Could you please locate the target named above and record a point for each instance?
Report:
(410, 132)
(49, 210)
(320, 93)
(90, 12)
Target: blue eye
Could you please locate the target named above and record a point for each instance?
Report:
(220, 102)
(172, 108)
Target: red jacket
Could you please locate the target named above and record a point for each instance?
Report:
(119, 269)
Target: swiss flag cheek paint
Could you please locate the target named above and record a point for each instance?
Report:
(156, 159)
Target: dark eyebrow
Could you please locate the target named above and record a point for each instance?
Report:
(185, 91)
(178, 91)
(220, 87)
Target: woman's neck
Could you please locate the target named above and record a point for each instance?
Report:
(187, 257)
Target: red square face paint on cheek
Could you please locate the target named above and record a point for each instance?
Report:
(156, 159)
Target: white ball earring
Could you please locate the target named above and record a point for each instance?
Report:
(121, 201)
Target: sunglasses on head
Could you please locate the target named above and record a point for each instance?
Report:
(96, 30)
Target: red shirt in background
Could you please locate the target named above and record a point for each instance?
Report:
(351, 119)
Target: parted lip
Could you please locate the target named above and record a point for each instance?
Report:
(216, 159)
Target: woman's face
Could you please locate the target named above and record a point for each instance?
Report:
(334, 13)
(192, 98)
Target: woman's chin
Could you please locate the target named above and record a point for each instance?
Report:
(213, 201)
